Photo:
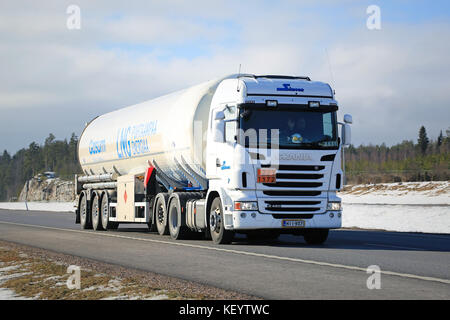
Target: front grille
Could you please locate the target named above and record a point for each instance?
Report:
(294, 184)
(292, 209)
(292, 216)
(279, 203)
(303, 184)
(298, 176)
(292, 193)
(295, 167)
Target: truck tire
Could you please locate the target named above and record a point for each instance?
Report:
(216, 224)
(176, 218)
(161, 213)
(315, 236)
(96, 215)
(104, 214)
(85, 218)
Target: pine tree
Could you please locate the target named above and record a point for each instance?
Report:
(423, 140)
(440, 139)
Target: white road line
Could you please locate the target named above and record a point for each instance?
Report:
(319, 263)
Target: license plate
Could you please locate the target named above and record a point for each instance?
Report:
(293, 223)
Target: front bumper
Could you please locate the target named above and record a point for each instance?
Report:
(256, 220)
(262, 219)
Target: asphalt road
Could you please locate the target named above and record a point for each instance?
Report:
(413, 266)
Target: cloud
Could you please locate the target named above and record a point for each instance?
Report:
(392, 81)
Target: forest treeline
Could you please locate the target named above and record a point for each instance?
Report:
(59, 156)
(421, 160)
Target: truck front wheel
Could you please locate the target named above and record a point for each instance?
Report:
(216, 224)
(315, 236)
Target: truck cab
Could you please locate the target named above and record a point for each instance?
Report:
(274, 156)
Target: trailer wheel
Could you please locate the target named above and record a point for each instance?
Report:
(85, 219)
(315, 236)
(161, 214)
(176, 226)
(216, 224)
(96, 219)
(104, 212)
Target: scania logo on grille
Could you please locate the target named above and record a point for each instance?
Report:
(296, 156)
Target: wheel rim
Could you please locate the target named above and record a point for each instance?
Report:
(105, 213)
(160, 214)
(95, 209)
(215, 220)
(83, 210)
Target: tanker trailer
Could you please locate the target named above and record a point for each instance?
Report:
(258, 155)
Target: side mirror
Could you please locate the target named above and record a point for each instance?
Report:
(346, 135)
(348, 119)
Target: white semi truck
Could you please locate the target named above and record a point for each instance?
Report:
(258, 155)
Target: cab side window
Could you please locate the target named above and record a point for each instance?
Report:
(230, 123)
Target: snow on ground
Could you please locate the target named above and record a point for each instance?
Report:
(6, 294)
(428, 219)
(407, 207)
(39, 206)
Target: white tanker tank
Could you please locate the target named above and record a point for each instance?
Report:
(167, 133)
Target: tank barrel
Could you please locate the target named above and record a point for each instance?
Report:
(100, 185)
(107, 177)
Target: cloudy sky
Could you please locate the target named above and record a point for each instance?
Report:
(55, 79)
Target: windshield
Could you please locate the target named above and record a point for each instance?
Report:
(298, 129)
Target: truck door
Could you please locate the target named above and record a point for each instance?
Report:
(221, 141)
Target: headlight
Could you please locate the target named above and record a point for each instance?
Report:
(248, 205)
(334, 206)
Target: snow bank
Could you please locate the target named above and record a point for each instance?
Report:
(405, 218)
(39, 206)
(6, 294)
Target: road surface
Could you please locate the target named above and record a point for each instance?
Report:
(413, 266)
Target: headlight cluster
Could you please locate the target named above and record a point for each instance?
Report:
(244, 206)
(334, 206)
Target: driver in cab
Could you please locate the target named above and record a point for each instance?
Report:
(295, 130)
